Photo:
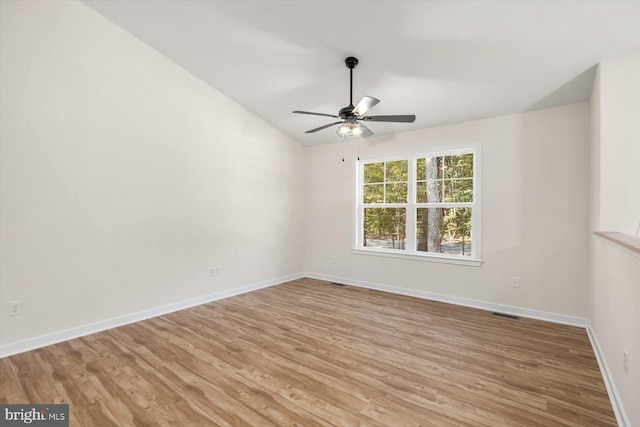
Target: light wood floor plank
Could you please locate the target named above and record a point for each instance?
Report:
(309, 353)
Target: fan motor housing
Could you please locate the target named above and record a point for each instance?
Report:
(346, 112)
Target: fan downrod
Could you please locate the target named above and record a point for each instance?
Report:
(351, 62)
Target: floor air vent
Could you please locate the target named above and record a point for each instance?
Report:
(508, 316)
(337, 284)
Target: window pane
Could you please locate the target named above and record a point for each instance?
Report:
(385, 228)
(421, 192)
(374, 172)
(373, 193)
(397, 171)
(460, 166)
(421, 169)
(434, 191)
(444, 230)
(433, 169)
(458, 190)
(396, 193)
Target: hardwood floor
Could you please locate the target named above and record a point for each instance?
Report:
(310, 353)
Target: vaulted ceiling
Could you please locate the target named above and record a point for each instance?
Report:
(445, 61)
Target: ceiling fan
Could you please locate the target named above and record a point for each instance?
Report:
(351, 117)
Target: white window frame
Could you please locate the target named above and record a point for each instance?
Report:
(410, 251)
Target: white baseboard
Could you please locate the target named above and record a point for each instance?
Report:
(483, 305)
(80, 331)
(614, 397)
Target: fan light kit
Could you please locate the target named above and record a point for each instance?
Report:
(351, 117)
(350, 129)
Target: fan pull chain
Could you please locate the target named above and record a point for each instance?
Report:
(343, 151)
(358, 149)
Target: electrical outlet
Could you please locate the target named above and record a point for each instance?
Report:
(515, 282)
(626, 361)
(333, 259)
(15, 308)
(213, 272)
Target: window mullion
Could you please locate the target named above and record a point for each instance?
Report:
(475, 213)
(384, 180)
(446, 205)
(385, 205)
(411, 211)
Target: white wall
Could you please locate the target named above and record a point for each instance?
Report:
(534, 214)
(124, 177)
(614, 296)
(620, 145)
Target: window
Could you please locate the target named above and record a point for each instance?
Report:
(424, 206)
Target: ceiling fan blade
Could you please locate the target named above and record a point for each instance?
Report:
(365, 104)
(315, 114)
(366, 132)
(399, 119)
(323, 127)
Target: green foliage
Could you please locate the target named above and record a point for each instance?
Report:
(397, 171)
(424, 171)
(453, 178)
(421, 169)
(455, 226)
(388, 224)
(458, 190)
(373, 193)
(374, 172)
(386, 182)
(396, 193)
(460, 166)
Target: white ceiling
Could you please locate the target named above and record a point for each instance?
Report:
(445, 61)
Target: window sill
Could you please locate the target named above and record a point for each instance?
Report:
(429, 258)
